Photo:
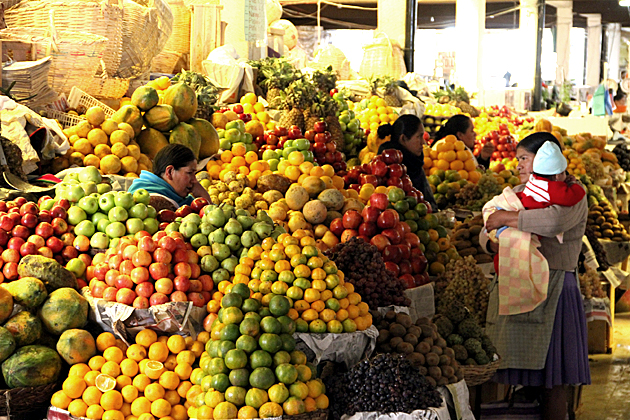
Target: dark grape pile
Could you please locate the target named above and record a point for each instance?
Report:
(598, 249)
(383, 384)
(623, 156)
(363, 266)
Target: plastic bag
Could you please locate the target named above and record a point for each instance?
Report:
(225, 71)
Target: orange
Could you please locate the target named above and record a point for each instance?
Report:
(325, 295)
(129, 393)
(160, 408)
(183, 388)
(186, 357)
(175, 344)
(469, 165)
(327, 315)
(457, 165)
(172, 397)
(311, 295)
(154, 369)
(183, 371)
(169, 380)
(318, 305)
(77, 408)
(178, 412)
(113, 354)
(442, 164)
(96, 362)
(114, 415)
(474, 176)
(450, 156)
(90, 377)
(463, 155)
(328, 170)
(158, 351)
(354, 298)
(301, 305)
(141, 405)
(344, 303)
(293, 314)
(74, 386)
(349, 287)
(95, 412)
(60, 400)
(322, 402)
(92, 395)
(136, 352)
(111, 400)
(197, 348)
(364, 309)
(105, 340)
(310, 315)
(342, 315)
(310, 404)
(317, 171)
(141, 382)
(154, 392)
(463, 173)
(142, 365)
(122, 381)
(80, 370)
(353, 311)
(111, 368)
(147, 337)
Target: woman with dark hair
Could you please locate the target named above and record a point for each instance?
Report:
(545, 348)
(620, 118)
(406, 135)
(172, 183)
(462, 127)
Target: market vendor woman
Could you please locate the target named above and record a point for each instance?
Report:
(172, 183)
(406, 135)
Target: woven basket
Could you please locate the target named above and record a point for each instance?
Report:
(20, 401)
(179, 41)
(154, 21)
(75, 55)
(109, 87)
(313, 415)
(166, 62)
(9, 4)
(477, 375)
(78, 16)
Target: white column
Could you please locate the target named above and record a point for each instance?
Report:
(528, 28)
(237, 34)
(392, 19)
(564, 23)
(613, 44)
(470, 24)
(593, 48)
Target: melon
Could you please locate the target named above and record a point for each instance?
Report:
(151, 142)
(6, 305)
(209, 137)
(161, 117)
(187, 135)
(25, 327)
(183, 99)
(63, 310)
(7, 344)
(27, 291)
(332, 198)
(315, 212)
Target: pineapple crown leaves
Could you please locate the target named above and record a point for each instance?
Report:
(275, 73)
(457, 94)
(323, 105)
(298, 94)
(325, 79)
(386, 82)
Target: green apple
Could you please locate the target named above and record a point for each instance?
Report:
(76, 215)
(142, 196)
(134, 225)
(73, 176)
(225, 144)
(114, 242)
(151, 225)
(221, 133)
(151, 212)
(47, 204)
(74, 193)
(97, 217)
(103, 188)
(117, 214)
(90, 173)
(99, 241)
(124, 199)
(107, 202)
(139, 210)
(269, 154)
(302, 144)
(85, 228)
(76, 266)
(247, 138)
(102, 224)
(89, 204)
(89, 187)
(115, 230)
(233, 135)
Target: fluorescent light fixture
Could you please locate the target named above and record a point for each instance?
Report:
(624, 3)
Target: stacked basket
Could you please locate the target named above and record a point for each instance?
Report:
(177, 47)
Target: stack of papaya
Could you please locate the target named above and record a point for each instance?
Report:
(45, 325)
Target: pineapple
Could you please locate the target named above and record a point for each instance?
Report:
(325, 108)
(294, 100)
(275, 75)
(387, 84)
(310, 119)
(325, 80)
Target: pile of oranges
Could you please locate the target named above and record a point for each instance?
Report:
(240, 161)
(321, 301)
(451, 154)
(147, 380)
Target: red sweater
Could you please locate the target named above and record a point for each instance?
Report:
(540, 192)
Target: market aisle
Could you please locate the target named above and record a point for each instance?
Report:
(609, 393)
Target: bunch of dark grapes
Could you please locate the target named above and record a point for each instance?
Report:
(383, 384)
(363, 266)
(623, 156)
(598, 249)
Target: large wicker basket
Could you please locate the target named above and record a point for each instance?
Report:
(75, 55)
(477, 375)
(98, 18)
(18, 403)
(313, 415)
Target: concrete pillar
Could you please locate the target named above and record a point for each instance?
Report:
(528, 28)
(613, 34)
(246, 27)
(564, 23)
(470, 24)
(593, 49)
(392, 18)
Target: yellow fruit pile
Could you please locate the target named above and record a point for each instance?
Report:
(376, 114)
(104, 144)
(250, 104)
(147, 380)
(297, 170)
(442, 110)
(485, 123)
(240, 161)
(451, 154)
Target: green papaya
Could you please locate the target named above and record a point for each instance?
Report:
(25, 327)
(7, 344)
(53, 274)
(27, 291)
(31, 366)
(63, 310)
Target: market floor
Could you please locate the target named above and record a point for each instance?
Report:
(608, 397)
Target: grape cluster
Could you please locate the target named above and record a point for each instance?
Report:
(598, 249)
(383, 384)
(474, 196)
(463, 281)
(623, 156)
(591, 284)
(364, 267)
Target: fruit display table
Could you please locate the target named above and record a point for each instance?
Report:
(348, 348)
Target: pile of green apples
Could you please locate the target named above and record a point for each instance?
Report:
(235, 133)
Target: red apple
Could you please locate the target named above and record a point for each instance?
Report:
(59, 212)
(45, 230)
(370, 214)
(164, 285)
(7, 223)
(347, 234)
(69, 252)
(158, 299)
(44, 216)
(352, 219)
(20, 231)
(336, 227)
(109, 294)
(37, 240)
(123, 280)
(197, 299)
(206, 282)
(393, 267)
(15, 243)
(29, 208)
(182, 283)
(367, 229)
(392, 253)
(4, 237)
(59, 226)
(182, 269)
(98, 288)
(168, 244)
(409, 280)
(179, 296)
(55, 244)
(139, 275)
(11, 255)
(379, 200)
(141, 302)
(125, 296)
(380, 242)
(393, 235)
(388, 219)
(198, 203)
(145, 289)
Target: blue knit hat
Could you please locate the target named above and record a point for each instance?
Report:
(549, 160)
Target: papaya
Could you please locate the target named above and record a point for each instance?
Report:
(25, 327)
(209, 137)
(27, 291)
(7, 344)
(187, 135)
(543, 125)
(161, 117)
(6, 305)
(53, 274)
(76, 346)
(151, 142)
(63, 310)
(183, 99)
(131, 115)
(145, 98)
(31, 366)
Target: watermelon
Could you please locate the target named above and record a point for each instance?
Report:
(31, 366)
